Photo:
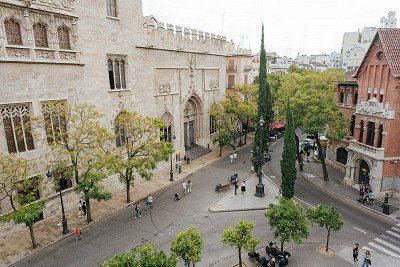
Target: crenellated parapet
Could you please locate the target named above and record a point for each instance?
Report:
(160, 35)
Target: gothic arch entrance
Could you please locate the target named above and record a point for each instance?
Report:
(363, 173)
(192, 121)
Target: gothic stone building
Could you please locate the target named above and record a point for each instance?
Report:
(105, 53)
(371, 99)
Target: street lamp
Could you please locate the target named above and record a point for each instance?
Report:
(171, 173)
(258, 160)
(50, 174)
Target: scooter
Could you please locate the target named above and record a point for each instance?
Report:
(273, 250)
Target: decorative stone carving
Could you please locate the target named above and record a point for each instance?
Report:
(167, 118)
(57, 3)
(192, 62)
(70, 56)
(214, 85)
(374, 108)
(165, 88)
(45, 54)
(18, 52)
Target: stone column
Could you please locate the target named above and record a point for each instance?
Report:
(29, 34)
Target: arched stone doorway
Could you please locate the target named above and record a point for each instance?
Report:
(192, 121)
(363, 172)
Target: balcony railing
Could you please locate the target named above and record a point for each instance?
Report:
(378, 153)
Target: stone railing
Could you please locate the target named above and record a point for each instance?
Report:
(378, 153)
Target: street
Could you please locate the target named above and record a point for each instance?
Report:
(121, 232)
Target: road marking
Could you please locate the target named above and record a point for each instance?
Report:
(272, 176)
(362, 231)
(383, 250)
(367, 248)
(393, 233)
(304, 202)
(309, 175)
(396, 229)
(387, 244)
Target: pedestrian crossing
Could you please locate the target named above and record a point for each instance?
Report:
(387, 243)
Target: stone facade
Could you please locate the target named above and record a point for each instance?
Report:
(164, 71)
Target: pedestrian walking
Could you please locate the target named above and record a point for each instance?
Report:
(235, 157)
(367, 259)
(189, 187)
(188, 160)
(150, 201)
(84, 208)
(179, 166)
(355, 252)
(231, 158)
(177, 196)
(243, 188)
(78, 234)
(80, 208)
(236, 187)
(138, 211)
(308, 154)
(184, 187)
(385, 205)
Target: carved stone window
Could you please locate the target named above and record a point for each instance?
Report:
(361, 134)
(63, 38)
(370, 133)
(166, 132)
(13, 32)
(17, 128)
(112, 8)
(380, 136)
(116, 73)
(54, 114)
(40, 33)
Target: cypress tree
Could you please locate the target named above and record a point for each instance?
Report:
(264, 103)
(288, 162)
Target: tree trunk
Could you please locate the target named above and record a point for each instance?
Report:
(220, 151)
(299, 158)
(245, 136)
(321, 157)
(240, 257)
(128, 192)
(327, 240)
(88, 211)
(12, 202)
(282, 246)
(34, 245)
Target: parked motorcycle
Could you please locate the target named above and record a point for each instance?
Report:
(233, 178)
(273, 250)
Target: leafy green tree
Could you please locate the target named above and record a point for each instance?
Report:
(225, 129)
(241, 106)
(142, 256)
(139, 148)
(188, 245)
(288, 162)
(27, 214)
(14, 174)
(264, 104)
(84, 144)
(241, 237)
(313, 104)
(327, 217)
(288, 221)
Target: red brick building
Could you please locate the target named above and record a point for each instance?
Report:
(371, 98)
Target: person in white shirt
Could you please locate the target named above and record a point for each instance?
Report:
(231, 158)
(184, 187)
(235, 157)
(150, 201)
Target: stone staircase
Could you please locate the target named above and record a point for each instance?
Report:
(196, 151)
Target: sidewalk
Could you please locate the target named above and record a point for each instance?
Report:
(48, 231)
(247, 201)
(377, 258)
(313, 174)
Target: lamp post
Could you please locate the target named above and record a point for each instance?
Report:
(65, 230)
(259, 158)
(171, 173)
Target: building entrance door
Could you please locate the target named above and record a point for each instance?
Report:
(191, 133)
(364, 173)
(185, 134)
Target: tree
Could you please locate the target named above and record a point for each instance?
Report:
(314, 107)
(241, 106)
(288, 221)
(14, 173)
(188, 245)
(264, 104)
(288, 162)
(325, 216)
(83, 144)
(27, 214)
(139, 148)
(224, 127)
(241, 237)
(142, 256)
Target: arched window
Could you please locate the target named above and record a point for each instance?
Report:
(120, 132)
(13, 32)
(361, 135)
(370, 133)
(40, 34)
(341, 97)
(352, 125)
(380, 136)
(341, 155)
(166, 132)
(116, 73)
(355, 99)
(63, 38)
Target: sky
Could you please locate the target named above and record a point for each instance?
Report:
(291, 26)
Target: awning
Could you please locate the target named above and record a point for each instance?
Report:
(277, 125)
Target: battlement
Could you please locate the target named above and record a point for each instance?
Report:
(160, 35)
